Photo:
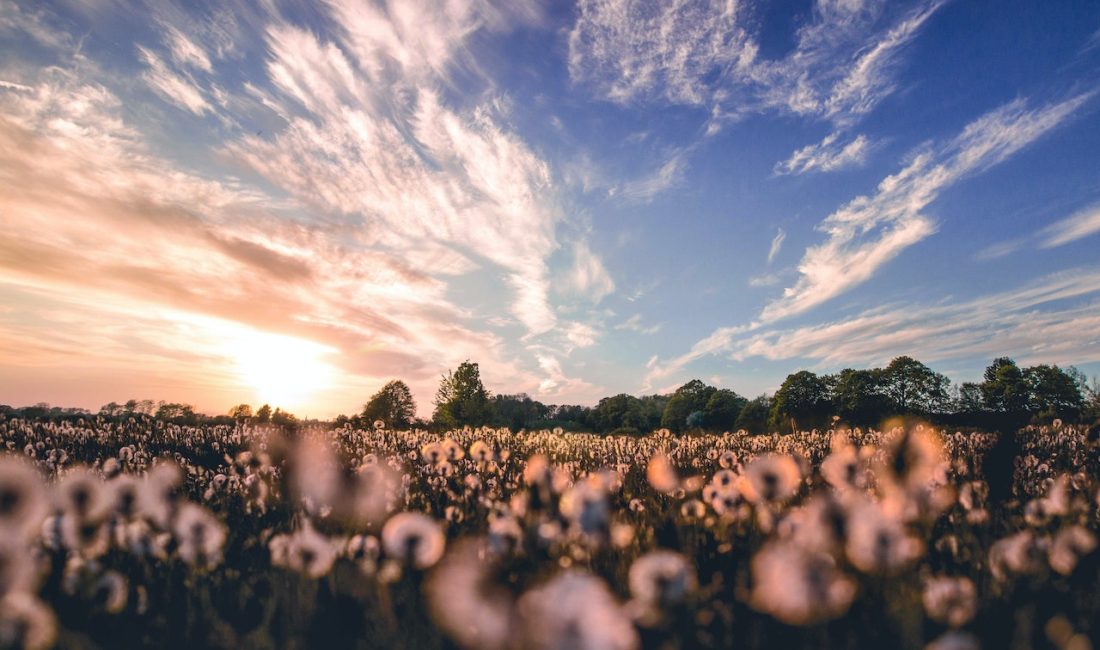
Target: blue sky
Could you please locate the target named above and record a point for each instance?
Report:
(296, 202)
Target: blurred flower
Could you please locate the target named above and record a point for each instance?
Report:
(799, 587)
(662, 578)
(953, 601)
(413, 538)
(465, 602)
(199, 536)
(1070, 544)
(26, 622)
(771, 479)
(661, 474)
(573, 611)
(23, 505)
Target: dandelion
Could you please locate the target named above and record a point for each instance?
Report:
(309, 552)
(842, 469)
(414, 539)
(877, 542)
(573, 611)
(82, 496)
(463, 600)
(662, 578)
(661, 474)
(112, 590)
(799, 587)
(954, 641)
(952, 601)
(199, 536)
(771, 479)
(22, 504)
(1069, 545)
(26, 622)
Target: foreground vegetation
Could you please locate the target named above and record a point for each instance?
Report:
(142, 533)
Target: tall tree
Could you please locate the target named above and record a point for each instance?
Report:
(241, 412)
(393, 404)
(462, 399)
(802, 399)
(1053, 393)
(263, 415)
(690, 398)
(754, 416)
(859, 396)
(914, 387)
(1005, 389)
(722, 409)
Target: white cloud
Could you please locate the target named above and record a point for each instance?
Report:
(175, 88)
(827, 155)
(634, 324)
(1079, 225)
(588, 277)
(665, 177)
(777, 243)
(185, 52)
(706, 54)
(765, 280)
(1009, 322)
(871, 230)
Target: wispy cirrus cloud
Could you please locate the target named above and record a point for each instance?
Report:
(777, 244)
(178, 89)
(1078, 225)
(871, 230)
(826, 156)
(707, 54)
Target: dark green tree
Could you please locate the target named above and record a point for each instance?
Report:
(1053, 393)
(859, 396)
(690, 398)
(393, 404)
(754, 416)
(1005, 390)
(802, 400)
(263, 415)
(462, 399)
(722, 409)
(914, 387)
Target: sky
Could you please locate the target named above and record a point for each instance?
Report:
(295, 202)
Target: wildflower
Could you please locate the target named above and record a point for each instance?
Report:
(199, 536)
(1018, 553)
(953, 601)
(82, 496)
(954, 640)
(771, 479)
(26, 622)
(1069, 545)
(915, 458)
(463, 600)
(661, 474)
(662, 578)
(585, 505)
(877, 541)
(309, 552)
(727, 459)
(573, 610)
(413, 538)
(113, 590)
(22, 502)
(481, 451)
(842, 469)
(797, 586)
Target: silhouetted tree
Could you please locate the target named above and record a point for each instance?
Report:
(393, 404)
(462, 399)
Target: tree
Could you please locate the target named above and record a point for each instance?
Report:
(462, 399)
(969, 398)
(1004, 390)
(264, 414)
(754, 416)
(690, 398)
(518, 411)
(914, 387)
(803, 397)
(393, 404)
(1053, 393)
(241, 412)
(858, 396)
(722, 409)
(620, 411)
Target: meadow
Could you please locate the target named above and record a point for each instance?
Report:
(141, 533)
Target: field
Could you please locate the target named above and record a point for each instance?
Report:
(139, 533)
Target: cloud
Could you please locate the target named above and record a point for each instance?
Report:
(1010, 322)
(645, 189)
(826, 156)
(185, 52)
(634, 324)
(871, 230)
(707, 55)
(1079, 225)
(777, 243)
(177, 89)
(588, 277)
(765, 280)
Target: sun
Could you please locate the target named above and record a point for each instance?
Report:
(282, 370)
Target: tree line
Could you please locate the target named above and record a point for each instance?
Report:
(1007, 397)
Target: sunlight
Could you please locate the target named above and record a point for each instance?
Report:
(282, 370)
